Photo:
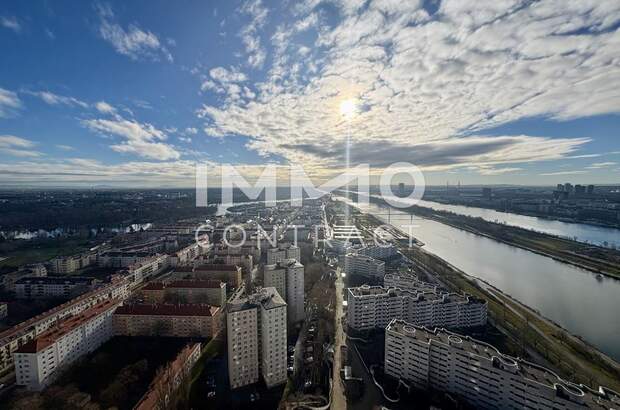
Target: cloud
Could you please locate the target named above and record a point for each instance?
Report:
(599, 165)
(65, 147)
(10, 23)
(425, 81)
(55, 99)
(133, 42)
(105, 108)
(9, 103)
(576, 172)
(17, 146)
(257, 13)
(141, 139)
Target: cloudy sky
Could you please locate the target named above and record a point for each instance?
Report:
(135, 93)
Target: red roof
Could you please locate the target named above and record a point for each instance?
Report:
(65, 326)
(191, 309)
(196, 284)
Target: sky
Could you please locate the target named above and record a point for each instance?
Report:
(118, 93)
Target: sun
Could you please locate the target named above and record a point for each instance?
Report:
(348, 108)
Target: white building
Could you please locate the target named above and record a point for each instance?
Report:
(407, 281)
(11, 339)
(479, 374)
(370, 307)
(72, 263)
(283, 252)
(381, 251)
(287, 277)
(40, 361)
(256, 329)
(364, 266)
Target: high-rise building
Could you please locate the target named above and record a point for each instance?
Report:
(479, 374)
(282, 252)
(370, 307)
(256, 330)
(287, 277)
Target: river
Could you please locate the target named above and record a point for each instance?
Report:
(599, 235)
(576, 299)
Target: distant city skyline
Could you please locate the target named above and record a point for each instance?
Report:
(132, 94)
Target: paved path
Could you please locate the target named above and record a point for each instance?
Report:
(339, 401)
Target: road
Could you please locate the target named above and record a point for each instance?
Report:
(339, 401)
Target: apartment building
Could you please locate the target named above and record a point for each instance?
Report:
(212, 292)
(479, 374)
(370, 307)
(229, 274)
(143, 270)
(245, 261)
(4, 310)
(53, 286)
(72, 263)
(13, 338)
(287, 277)
(7, 281)
(256, 328)
(120, 259)
(40, 361)
(186, 320)
(282, 252)
(164, 385)
(382, 251)
(364, 266)
(407, 281)
(187, 255)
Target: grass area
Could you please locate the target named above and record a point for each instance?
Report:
(22, 252)
(573, 359)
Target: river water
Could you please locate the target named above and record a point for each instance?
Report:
(581, 302)
(599, 235)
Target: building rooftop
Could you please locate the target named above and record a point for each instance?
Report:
(216, 267)
(196, 284)
(525, 369)
(161, 309)
(15, 330)
(422, 294)
(64, 327)
(268, 298)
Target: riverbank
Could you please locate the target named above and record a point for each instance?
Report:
(572, 358)
(596, 259)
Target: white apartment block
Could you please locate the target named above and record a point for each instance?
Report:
(187, 255)
(11, 339)
(283, 252)
(407, 281)
(370, 307)
(256, 328)
(364, 266)
(40, 361)
(376, 251)
(153, 265)
(479, 374)
(287, 277)
(70, 264)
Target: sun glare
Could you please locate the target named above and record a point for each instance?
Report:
(348, 108)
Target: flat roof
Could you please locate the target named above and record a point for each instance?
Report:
(165, 309)
(527, 370)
